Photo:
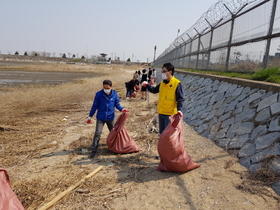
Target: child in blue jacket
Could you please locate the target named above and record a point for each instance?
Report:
(104, 102)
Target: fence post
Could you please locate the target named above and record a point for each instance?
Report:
(268, 43)
(184, 52)
(190, 49)
(198, 48)
(230, 36)
(210, 44)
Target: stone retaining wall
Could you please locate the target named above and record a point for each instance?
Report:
(239, 115)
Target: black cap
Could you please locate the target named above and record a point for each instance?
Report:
(107, 82)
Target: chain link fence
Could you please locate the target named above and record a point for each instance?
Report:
(233, 35)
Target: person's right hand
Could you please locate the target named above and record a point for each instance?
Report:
(89, 120)
(144, 84)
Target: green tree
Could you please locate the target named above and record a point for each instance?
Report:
(64, 55)
(83, 57)
(73, 56)
(16, 53)
(25, 54)
(128, 60)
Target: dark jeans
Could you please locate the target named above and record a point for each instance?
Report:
(163, 122)
(129, 93)
(98, 132)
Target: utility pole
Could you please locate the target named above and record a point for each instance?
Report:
(44, 48)
(27, 48)
(155, 49)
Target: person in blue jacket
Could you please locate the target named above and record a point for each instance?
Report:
(104, 102)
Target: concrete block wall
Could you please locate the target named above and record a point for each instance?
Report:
(238, 115)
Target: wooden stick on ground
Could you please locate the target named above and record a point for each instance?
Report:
(61, 195)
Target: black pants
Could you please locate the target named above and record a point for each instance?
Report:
(98, 132)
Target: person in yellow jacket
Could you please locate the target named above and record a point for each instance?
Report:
(171, 96)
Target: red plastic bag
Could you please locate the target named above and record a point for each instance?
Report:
(136, 88)
(134, 94)
(171, 148)
(8, 199)
(118, 140)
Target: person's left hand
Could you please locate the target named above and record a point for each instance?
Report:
(124, 110)
(180, 113)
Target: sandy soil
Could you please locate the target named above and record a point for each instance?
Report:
(128, 181)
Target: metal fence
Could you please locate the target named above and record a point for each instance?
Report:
(233, 35)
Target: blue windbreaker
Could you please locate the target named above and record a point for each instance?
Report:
(105, 105)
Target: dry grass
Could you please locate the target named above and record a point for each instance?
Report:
(27, 100)
(104, 189)
(32, 114)
(258, 183)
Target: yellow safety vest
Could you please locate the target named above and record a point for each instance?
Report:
(167, 103)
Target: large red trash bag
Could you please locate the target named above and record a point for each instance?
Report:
(134, 94)
(118, 140)
(8, 199)
(171, 148)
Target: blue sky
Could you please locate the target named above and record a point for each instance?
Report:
(120, 28)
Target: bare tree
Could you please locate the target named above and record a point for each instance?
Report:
(47, 54)
(94, 57)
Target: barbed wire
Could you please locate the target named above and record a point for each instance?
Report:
(218, 12)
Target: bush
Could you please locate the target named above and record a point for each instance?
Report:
(264, 74)
(273, 78)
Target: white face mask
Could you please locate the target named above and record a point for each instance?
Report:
(163, 75)
(107, 91)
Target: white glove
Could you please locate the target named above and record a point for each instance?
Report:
(180, 113)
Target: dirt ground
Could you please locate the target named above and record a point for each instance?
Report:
(58, 159)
